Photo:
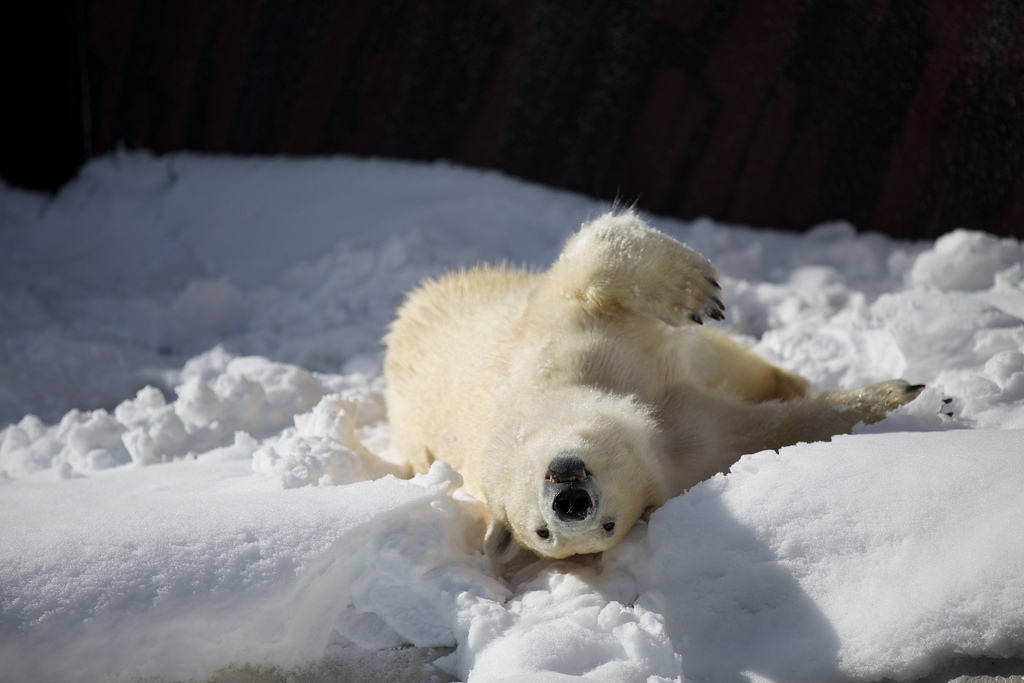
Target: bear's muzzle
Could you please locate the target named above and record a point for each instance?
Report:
(570, 483)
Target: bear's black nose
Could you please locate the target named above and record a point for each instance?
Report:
(572, 504)
(567, 467)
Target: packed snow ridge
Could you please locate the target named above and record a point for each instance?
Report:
(196, 469)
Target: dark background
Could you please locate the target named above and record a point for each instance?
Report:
(903, 116)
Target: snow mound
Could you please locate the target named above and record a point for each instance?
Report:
(196, 474)
(820, 584)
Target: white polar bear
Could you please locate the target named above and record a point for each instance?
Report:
(576, 400)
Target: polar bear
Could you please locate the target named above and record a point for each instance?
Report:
(577, 400)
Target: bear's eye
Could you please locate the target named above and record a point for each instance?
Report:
(609, 526)
(543, 533)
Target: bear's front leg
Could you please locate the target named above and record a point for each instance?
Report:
(871, 403)
(618, 264)
(708, 431)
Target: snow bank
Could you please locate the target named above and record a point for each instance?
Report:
(195, 559)
(140, 264)
(866, 557)
(197, 468)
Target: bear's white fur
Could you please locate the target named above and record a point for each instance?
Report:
(575, 400)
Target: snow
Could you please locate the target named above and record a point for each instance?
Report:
(196, 469)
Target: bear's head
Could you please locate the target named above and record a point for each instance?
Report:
(570, 475)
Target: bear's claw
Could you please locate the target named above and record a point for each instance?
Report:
(715, 310)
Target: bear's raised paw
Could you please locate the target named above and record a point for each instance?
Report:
(619, 264)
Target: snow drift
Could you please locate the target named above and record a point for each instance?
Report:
(196, 470)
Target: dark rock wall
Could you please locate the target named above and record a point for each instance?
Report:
(905, 117)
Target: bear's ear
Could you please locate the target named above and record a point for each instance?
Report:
(499, 543)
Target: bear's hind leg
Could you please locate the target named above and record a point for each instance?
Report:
(617, 264)
(723, 365)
